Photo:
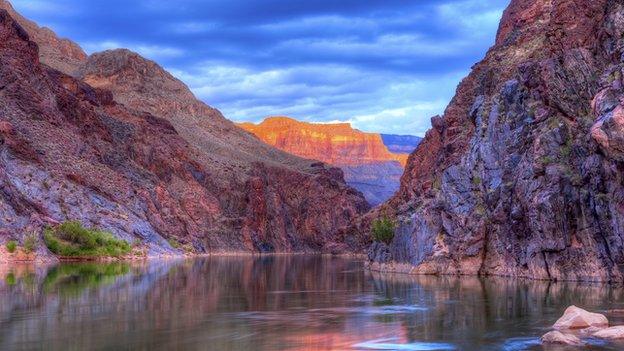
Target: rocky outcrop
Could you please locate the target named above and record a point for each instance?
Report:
(522, 175)
(71, 151)
(611, 333)
(61, 54)
(558, 338)
(368, 163)
(578, 318)
(334, 143)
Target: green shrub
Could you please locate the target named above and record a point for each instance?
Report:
(11, 246)
(476, 180)
(31, 243)
(383, 230)
(71, 239)
(174, 243)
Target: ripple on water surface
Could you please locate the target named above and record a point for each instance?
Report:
(280, 303)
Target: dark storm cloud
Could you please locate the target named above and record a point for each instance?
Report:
(381, 64)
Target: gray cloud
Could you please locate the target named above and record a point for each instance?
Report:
(384, 65)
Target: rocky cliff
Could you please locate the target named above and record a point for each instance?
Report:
(334, 143)
(368, 164)
(522, 175)
(71, 151)
(61, 54)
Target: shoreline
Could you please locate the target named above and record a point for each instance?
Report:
(6, 259)
(405, 269)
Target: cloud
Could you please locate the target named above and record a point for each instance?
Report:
(384, 65)
(39, 6)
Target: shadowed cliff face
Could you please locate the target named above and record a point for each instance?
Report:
(69, 151)
(522, 175)
(368, 164)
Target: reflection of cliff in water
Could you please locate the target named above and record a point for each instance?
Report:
(275, 302)
(469, 308)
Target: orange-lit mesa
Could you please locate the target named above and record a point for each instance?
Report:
(334, 143)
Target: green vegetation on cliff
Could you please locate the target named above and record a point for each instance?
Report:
(383, 230)
(71, 239)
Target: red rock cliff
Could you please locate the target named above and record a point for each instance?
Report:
(368, 164)
(334, 143)
(58, 53)
(148, 162)
(522, 174)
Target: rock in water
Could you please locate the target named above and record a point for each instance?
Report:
(611, 333)
(557, 337)
(522, 176)
(578, 318)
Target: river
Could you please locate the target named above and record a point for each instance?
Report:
(279, 303)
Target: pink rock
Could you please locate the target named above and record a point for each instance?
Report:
(611, 333)
(557, 337)
(578, 318)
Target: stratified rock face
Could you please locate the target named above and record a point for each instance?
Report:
(522, 176)
(334, 143)
(368, 164)
(69, 151)
(61, 54)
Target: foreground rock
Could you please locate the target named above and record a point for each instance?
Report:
(161, 168)
(522, 176)
(558, 338)
(610, 333)
(578, 318)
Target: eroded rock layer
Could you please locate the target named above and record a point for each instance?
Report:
(69, 151)
(522, 176)
(368, 163)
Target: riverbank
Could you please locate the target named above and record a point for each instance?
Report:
(40, 257)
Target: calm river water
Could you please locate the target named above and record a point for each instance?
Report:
(278, 303)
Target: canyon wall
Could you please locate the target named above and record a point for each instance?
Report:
(522, 175)
(367, 162)
(139, 156)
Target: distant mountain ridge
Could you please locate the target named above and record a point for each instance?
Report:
(401, 144)
(369, 164)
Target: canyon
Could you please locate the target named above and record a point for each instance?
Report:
(522, 175)
(114, 141)
(365, 158)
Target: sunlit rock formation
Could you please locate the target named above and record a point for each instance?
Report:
(368, 163)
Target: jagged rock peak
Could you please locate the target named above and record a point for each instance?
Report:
(61, 54)
(522, 175)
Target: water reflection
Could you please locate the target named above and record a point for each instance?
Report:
(278, 303)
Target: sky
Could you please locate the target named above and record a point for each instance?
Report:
(384, 65)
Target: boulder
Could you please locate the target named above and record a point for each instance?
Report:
(577, 318)
(557, 337)
(611, 333)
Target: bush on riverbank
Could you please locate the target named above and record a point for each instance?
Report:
(11, 246)
(71, 239)
(31, 243)
(383, 230)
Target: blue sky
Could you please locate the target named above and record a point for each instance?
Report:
(383, 65)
